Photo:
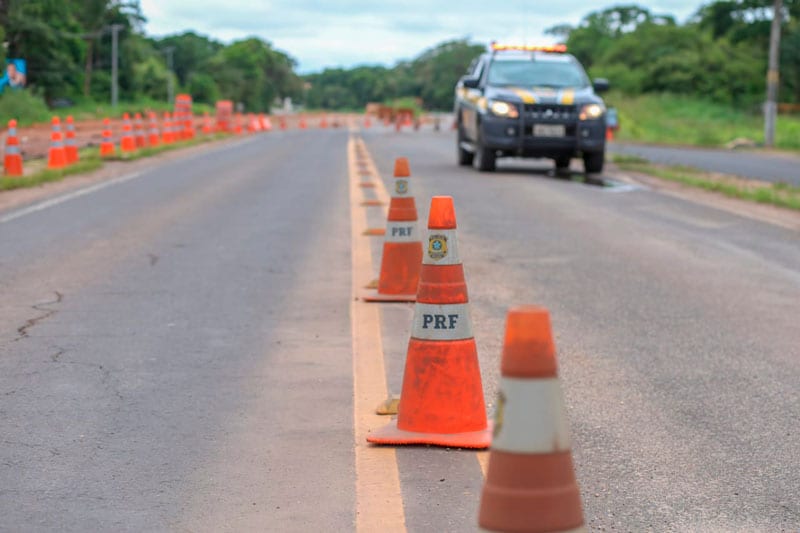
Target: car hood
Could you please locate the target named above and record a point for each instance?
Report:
(543, 95)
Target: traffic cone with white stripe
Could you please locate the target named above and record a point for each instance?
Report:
(12, 162)
(128, 141)
(441, 402)
(56, 155)
(402, 247)
(154, 138)
(530, 481)
(138, 125)
(70, 145)
(107, 147)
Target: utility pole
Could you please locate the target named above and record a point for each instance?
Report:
(773, 76)
(169, 51)
(115, 63)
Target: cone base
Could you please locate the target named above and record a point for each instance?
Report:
(391, 435)
(375, 296)
(581, 529)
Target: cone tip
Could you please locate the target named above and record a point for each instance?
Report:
(12, 123)
(401, 168)
(55, 121)
(70, 120)
(442, 214)
(528, 351)
(106, 121)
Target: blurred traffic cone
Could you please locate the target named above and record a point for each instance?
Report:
(141, 140)
(56, 156)
(128, 142)
(188, 126)
(302, 125)
(282, 123)
(107, 147)
(154, 138)
(442, 397)
(70, 146)
(609, 134)
(530, 481)
(266, 123)
(237, 128)
(323, 123)
(12, 162)
(367, 122)
(208, 129)
(166, 130)
(402, 247)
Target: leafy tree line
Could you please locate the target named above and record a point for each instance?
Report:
(430, 77)
(719, 53)
(67, 46)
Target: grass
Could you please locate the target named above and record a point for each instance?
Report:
(672, 119)
(90, 160)
(777, 194)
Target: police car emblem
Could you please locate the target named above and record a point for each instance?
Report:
(437, 246)
(401, 186)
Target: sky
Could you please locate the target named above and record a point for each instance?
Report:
(322, 34)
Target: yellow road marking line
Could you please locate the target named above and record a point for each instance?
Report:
(382, 194)
(379, 500)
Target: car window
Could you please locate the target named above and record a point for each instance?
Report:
(533, 73)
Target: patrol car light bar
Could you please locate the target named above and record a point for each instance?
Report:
(552, 48)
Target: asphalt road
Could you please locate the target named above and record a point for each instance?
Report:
(746, 164)
(176, 348)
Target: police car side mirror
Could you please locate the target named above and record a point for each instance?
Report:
(601, 85)
(470, 82)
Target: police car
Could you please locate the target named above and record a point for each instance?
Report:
(530, 101)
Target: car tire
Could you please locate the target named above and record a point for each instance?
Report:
(465, 157)
(485, 158)
(593, 162)
(562, 167)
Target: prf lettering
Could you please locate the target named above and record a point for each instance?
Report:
(404, 231)
(439, 321)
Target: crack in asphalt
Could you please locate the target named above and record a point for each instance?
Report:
(153, 259)
(22, 331)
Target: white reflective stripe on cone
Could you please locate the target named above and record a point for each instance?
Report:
(12, 149)
(402, 231)
(402, 188)
(12, 132)
(530, 416)
(440, 247)
(450, 322)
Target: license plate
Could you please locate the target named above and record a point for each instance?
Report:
(549, 130)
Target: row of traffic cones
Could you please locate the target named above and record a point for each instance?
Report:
(530, 483)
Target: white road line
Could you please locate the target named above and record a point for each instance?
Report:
(46, 204)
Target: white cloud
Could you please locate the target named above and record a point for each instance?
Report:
(349, 32)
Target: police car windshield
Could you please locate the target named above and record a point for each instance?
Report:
(533, 73)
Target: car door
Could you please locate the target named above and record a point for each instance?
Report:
(470, 98)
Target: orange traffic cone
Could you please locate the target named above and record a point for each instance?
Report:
(188, 127)
(128, 142)
(71, 146)
(57, 156)
(141, 140)
(442, 397)
(367, 122)
(237, 129)
(154, 138)
(107, 147)
(266, 123)
(12, 162)
(168, 132)
(282, 123)
(530, 481)
(323, 123)
(208, 129)
(402, 248)
(302, 125)
(609, 134)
